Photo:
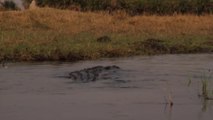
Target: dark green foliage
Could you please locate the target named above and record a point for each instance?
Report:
(93, 4)
(9, 5)
(135, 7)
(54, 3)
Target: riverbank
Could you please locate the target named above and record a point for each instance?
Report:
(51, 34)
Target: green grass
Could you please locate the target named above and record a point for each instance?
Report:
(84, 46)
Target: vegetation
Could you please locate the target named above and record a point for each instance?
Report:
(134, 7)
(52, 34)
(8, 5)
(206, 94)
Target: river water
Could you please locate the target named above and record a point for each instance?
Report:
(37, 91)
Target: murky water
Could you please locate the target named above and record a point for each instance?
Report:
(36, 91)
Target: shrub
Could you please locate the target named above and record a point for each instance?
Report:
(9, 5)
(135, 6)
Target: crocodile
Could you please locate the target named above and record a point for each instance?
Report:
(94, 73)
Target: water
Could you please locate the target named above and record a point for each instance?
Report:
(36, 91)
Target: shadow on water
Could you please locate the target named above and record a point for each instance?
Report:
(149, 87)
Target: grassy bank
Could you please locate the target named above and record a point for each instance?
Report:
(51, 34)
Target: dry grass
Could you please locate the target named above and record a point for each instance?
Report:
(72, 22)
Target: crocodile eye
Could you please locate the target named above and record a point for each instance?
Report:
(107, 68)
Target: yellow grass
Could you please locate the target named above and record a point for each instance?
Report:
(72, 22)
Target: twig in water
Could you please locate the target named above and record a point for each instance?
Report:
(169, 97)
(3, 64)
(205, 92)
